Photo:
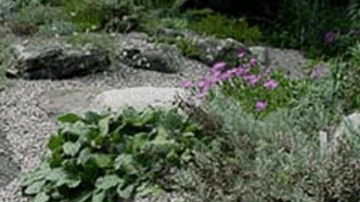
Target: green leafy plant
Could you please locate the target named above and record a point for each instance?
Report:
(110, 156)
(187, 48)
(40, 14)
(5, 53)
(59, 27)
(222, 27)
(176, 23)
(85, 13)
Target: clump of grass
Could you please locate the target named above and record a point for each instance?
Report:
(40, 14)
(5, 53)
(222, 27)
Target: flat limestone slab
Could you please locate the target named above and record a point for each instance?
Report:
(137, 97)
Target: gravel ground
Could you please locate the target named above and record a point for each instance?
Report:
(25, 126)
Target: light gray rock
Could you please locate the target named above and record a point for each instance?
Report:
(138, 98)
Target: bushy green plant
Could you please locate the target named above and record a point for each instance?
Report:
(325, 97)
(176, 23)
(198, 15)
(111, 156)
(252, 160)
(222, 27)
(87, 14)
(5, 54)
(187, 48)
(59, 27)
(352, 76)
(40, 14)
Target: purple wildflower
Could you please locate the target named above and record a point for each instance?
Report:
(253, 62)
(260, 105)
(271, 84)
(241, 52)
(186, 84)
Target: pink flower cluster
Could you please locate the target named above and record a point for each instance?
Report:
(218, 76)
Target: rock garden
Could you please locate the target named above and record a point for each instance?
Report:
(115, 101)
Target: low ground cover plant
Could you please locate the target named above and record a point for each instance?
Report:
(111, 156)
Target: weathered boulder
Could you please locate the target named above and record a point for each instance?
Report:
(140, 98)
(55, 62)
(137, 97)
(210, 48)
(157, 60)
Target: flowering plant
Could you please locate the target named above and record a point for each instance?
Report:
(258, 91)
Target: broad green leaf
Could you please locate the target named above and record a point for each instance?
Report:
(138, 141)
(68, 118)
(71, 148)
(103, 160)
(84, 196)
(108, 181)
(125, 162)
(84, 156)
(70, 165)
(146, 116)
(162, 135)
(104, 126)
(154, 190)
(56, 157)
(172, 155)
(56, 174)
(81, 129)
(55, 141)
(92, 133)
(29, 178)
(98, 196)
(125, 193)
(97, 142)
(188, 134)
(186, 155)
(56, 195)
(41, 197)
(91, 117)
(35, 187)
(71, 183)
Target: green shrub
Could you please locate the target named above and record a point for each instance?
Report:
(252, 160)
(40, 14)
(222, 27)
(187, 48)
(59, 27)
(351, 82)
(272, 159)
(108, 156)
(85, 13)
(5, 53)
(176, 23)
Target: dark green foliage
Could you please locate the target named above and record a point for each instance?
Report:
(111, 153)
(222, 27)
(187, 48)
